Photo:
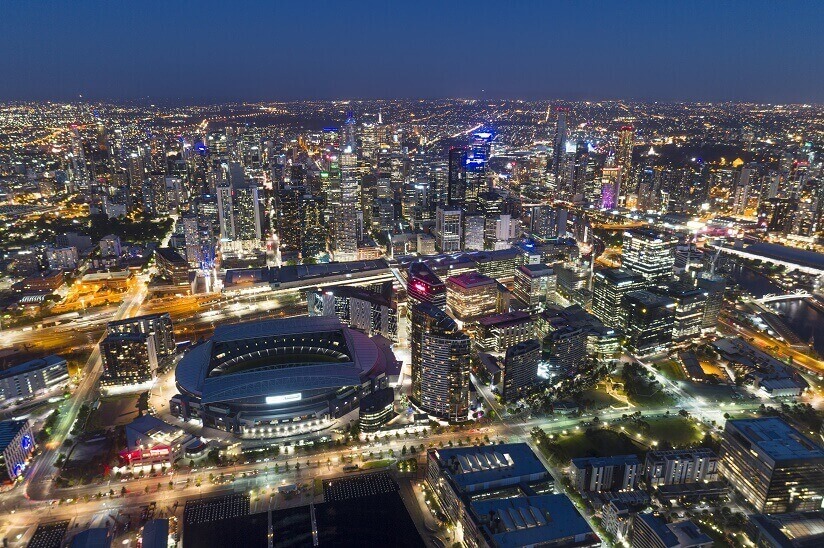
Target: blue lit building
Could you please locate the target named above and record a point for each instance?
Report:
(16, 446)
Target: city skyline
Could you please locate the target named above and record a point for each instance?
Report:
(210, 52)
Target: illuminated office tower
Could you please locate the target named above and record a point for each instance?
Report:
(609, 285)
(623, 157)
(741, 196)
(439, 182)
(610, 187)
(246, 212)
(313, 232)
(649, 321)
(690, 304)
(473, 232)
(558, 145)
(583, 172)
(772, 465)
(440, 364)
(713, 285)
(456, 178)
(191, 236)
(477, 157)
(649, 253)
(520, 369)
(346, 217)
(137, 174)
(225, 211)
(424, 286)
(448, 229)
(471, 295)
(535, 286)
(349, 134)
(566, 176)
(81, 178)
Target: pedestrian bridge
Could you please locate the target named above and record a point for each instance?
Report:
(772, 298)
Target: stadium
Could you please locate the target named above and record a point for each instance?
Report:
(277, 378)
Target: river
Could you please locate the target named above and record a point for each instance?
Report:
(803, 319)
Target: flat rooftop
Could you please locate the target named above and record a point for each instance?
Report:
(468, 280)
(619, 275)
(470, 466)
(32, 365)
(531, 521)
(505, 319)
(777, 439)
(8, 430)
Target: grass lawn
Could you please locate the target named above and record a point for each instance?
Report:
(678, 431)
(670, 369)
(600, 399)
(383, 463)
(592, 443)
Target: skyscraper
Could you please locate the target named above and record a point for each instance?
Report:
(346, 217)
(558, 145)
(423, 286)
(440, 364)
(649, 253)
(246, 212)
(649, 321)
(609, 286)
(456, 178)
(623, 157)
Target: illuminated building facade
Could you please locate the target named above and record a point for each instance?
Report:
(609, 286)
(649, 322)
(772, 465)
(650, 254)
(472, 295)
(520, 369)
(440, 364)
(16, 447)
(423, 286)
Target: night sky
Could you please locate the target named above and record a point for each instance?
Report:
(180, 51)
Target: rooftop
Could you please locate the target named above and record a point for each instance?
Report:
(505, 319)
(471, 466)
(472, 279)
(776, 438)
(528, 521)
(8, 430)
(619, 275)
(535, 270)
(32, 365)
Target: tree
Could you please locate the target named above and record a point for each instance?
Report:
(403, 450)
(122, 491)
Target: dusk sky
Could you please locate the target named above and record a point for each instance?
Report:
(248, 50)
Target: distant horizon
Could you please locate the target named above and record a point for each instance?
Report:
(213, 51)
(183, 102)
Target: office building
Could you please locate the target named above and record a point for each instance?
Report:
(110, 246)
(33, 378)
(791, 530)
(650, 254)
(440, 364)
(472, 295)
(535, 286)
(157, 325)
(772, 465)
(596, 474)
(520, 369)
(376, 409)
(680, 466)
(128, 359)
(62, 258)
(448, 229)
(423, 286)
(346, 214)
(246, 213)
(609, 285)
(690, 305)
(16, 447)
(649, 322)
(549, 520)
(172, 267)
(498, 332)
(650, 531)
(367, 311)
(714, 286)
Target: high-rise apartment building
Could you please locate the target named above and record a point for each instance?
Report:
(128, 359)
(520, 369)
(471, 295)
(440, 364)
(424, 286)
(448, 229)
